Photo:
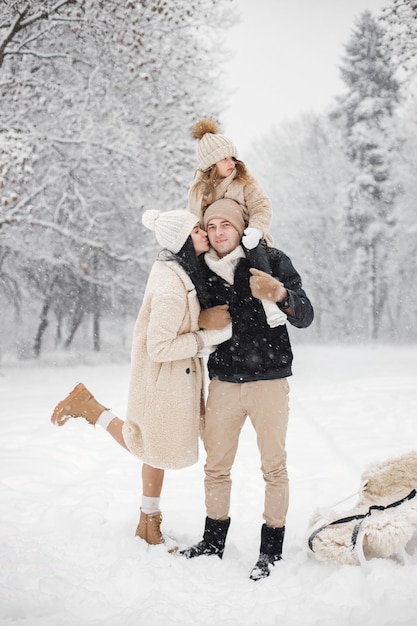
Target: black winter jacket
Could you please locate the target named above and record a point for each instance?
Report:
(255, 351)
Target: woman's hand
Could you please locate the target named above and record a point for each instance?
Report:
(215, 318)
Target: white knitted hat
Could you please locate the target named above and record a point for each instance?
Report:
(172, 228)
(211, 146)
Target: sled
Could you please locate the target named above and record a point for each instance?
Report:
(383, 524)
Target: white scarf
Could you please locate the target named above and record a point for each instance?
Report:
(225, 266)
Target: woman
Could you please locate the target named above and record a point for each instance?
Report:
(166, 384)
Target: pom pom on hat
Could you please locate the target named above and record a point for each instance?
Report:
(149, 218)
(206, 125)
(226, 209)
(211, 146)
(172, 228)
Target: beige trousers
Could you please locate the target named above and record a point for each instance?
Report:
(265, 402)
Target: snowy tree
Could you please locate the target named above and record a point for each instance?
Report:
(304, 170)
(344, 195)
(104, 95)
(399, 18)
(366, 113)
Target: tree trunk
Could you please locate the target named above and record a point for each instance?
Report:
(76, 321)
(96, 330)
(58, 336)
(96, 309)
(41, 328)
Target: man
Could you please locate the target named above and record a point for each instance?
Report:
(248, 378)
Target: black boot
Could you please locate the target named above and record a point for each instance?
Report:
(270, 552)
(213, 541)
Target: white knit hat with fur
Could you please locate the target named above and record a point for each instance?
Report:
(211, 147)
(172, 228)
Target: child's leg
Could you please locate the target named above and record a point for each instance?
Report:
(258, 258)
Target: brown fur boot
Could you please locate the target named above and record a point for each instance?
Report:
(79, 403)
(149, 529)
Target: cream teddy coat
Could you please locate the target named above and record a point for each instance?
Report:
(166, 384)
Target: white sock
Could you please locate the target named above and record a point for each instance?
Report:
(149, 505)
(105, 418)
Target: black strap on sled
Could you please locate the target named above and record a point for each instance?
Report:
(374, 507)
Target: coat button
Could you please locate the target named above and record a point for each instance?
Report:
(187, 371)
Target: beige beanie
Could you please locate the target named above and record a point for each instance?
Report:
(172, 228)
(211, 147)
(226, 209)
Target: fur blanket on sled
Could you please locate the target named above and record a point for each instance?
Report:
(383, 524)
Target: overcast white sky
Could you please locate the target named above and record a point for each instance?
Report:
(285, 61)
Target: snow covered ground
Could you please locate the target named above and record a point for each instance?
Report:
(69, 504)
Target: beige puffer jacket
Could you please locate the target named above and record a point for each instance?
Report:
(256, 205)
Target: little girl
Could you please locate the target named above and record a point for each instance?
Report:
(221, 175)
